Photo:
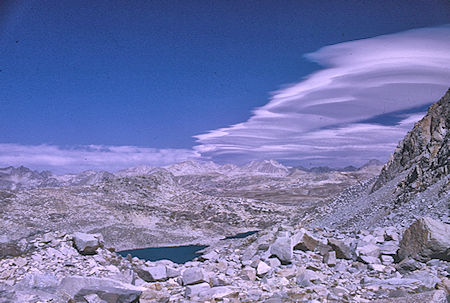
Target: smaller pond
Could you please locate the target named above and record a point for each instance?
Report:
(177, 254)
(241, 235)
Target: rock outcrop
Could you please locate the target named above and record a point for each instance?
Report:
(426, 239)
(87, 244)
(282, 248)
(81, 289)
(423, 154)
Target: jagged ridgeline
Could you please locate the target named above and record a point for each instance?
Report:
(422, 156)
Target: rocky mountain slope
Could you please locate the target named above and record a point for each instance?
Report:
(422, 156)
(414, 183)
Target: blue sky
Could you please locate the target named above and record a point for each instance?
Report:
(139, 79)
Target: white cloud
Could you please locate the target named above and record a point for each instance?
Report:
(97, 157)
(319, 120)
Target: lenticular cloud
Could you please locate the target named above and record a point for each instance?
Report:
(335, 116)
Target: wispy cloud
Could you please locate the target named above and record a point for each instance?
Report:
(320, 120)
(97, 157)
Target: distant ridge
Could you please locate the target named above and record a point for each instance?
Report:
(326, 169)
(135, 171)
(271, 167)
(23, 177)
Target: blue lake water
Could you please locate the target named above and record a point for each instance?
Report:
(177, 254)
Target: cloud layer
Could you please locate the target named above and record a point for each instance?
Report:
(320, 121)
(368, 95)
(97, 157)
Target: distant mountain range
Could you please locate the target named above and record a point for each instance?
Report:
(22, 177)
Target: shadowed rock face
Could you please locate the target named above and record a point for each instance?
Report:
(423, 153)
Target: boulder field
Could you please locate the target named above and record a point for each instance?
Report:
(281, 264)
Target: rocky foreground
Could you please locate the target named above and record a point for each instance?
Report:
(283, 264)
